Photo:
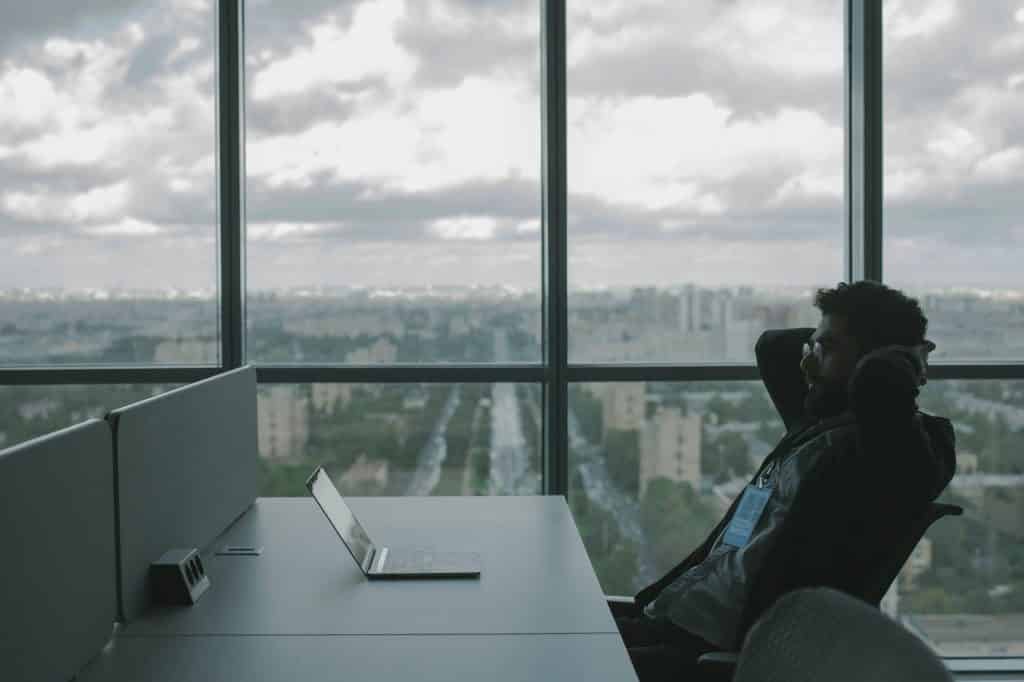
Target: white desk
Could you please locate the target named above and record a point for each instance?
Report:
(370, 658)
(303, 610)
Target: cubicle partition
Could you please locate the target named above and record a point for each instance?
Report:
(187, 466)
(57, 575)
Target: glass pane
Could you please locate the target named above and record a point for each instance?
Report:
(393, 160)
(705, 144)
(107, 166)
(402, 439)
(654, 466)
(962, 590)
(27, 412)
(954, 162)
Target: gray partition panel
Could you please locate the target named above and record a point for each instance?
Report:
(187, 466)
(491, 658)
(536, 575)
(57, 576)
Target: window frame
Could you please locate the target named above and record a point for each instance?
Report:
(863, 257)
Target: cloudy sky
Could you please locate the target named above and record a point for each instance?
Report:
(397, 142)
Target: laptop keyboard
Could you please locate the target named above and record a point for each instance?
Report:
(404, 560)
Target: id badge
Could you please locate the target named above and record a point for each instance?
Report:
(748, 513)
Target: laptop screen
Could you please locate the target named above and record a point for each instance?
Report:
(340, 516)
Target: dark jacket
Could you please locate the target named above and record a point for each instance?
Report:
(886, 462)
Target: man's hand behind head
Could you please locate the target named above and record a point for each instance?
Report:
(916, 355)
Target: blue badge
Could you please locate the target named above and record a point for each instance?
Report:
(748, 512)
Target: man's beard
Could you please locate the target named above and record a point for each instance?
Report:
(826, 400)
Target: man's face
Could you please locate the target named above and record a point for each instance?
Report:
(828, 366)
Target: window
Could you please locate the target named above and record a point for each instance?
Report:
(402, 439)
(705, 150)
(954, 161)
(28, 412)
(646, 485)
(393, 199)
(394, 288)
(107, 164)
(962, 590)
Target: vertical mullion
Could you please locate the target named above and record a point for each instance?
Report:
(555, 281)
(231, 176)
(864, 126)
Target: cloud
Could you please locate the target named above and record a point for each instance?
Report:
(1003, 166)
(955, 144)
(339, 55)
(531, 226)
(482, 129)
(681, 146)
(284, 231)
(465, 227)
(914, 19)
(810, 185)
(27, 97)
(98, 203)
(705, 138)
(451, 39)
(127, 227)
(26, 23)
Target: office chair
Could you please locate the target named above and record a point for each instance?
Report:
(823, 634)
(721, 665)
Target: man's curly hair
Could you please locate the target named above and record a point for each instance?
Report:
(876, 314)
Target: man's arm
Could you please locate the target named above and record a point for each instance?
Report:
(892, 435)
(778, 353)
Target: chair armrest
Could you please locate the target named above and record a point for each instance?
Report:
(622, 607)
(718, 666)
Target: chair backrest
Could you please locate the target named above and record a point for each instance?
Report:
(878, 581)
(823, 634)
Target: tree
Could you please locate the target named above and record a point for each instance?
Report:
(613, 556)
(623, 454)
(726, 457)
(676, 519)
(588, 413)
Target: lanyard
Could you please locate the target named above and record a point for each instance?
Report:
(765, 477)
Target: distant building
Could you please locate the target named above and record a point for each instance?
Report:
(352, 323)
(458, 326)
(670, 448)
(966, 463)
(183, 352)
(999, 498)
(381, 352)
(283, 416)
(740, 337)
(688, 310)
(415, 399)
(1004, 508)
(919, 563)
(329, 397)
(38, 409)
(365, 472)
(623, 406)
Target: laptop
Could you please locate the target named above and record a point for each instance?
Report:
(377, 561)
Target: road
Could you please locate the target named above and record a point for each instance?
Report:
(602, 490)
(510, 467)
(431, 457)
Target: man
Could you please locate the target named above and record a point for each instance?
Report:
(857, 464)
